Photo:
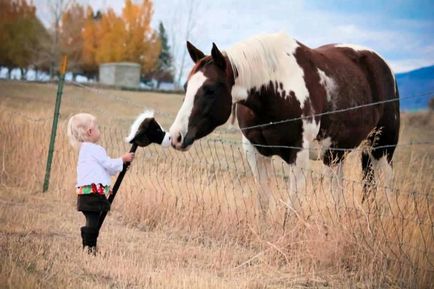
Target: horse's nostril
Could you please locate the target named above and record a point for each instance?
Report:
(179, 138)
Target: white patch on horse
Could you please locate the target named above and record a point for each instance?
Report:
(238, 93)
(310, 132)
(136, 124)
(266, 58)
(362, 48)
(261, 168)
(317, 149)
(180, 125)
(328, 83)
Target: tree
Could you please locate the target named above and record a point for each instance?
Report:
(70, 36)
(142, 44)
(110, 36)
(89, 34)
(182, 29)
(164, 70)
(57, 9)
(21, 35)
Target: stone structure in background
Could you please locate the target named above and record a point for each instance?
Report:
(125, 74)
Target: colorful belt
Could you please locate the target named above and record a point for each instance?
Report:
(93, 189)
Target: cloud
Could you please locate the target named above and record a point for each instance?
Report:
(406, 42)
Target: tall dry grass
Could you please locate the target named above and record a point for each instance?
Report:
(208, 196)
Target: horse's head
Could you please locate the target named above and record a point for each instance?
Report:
(146, 130)
(207, 103)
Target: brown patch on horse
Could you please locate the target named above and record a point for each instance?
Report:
(272, 107)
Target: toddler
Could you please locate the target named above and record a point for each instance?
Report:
(94, 169)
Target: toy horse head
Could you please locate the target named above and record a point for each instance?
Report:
(146, 130)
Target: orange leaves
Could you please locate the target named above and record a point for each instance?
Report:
(87, 39)
(70, 34)
(108, 37)
(21, 33)
(90, 43)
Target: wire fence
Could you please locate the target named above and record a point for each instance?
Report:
(210, 190)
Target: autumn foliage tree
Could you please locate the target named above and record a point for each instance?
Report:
(70, 36)
(108, 37)
(22, 35)
(87, 38)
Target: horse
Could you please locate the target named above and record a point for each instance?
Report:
(285, 94)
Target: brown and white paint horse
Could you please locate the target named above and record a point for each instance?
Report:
(273, 78)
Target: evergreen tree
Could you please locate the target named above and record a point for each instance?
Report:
(164, 71)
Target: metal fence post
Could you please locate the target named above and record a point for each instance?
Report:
(55, 120)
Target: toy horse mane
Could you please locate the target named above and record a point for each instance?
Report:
(136, 124)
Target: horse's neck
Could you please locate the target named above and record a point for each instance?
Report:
(284, 80)
(259, 60)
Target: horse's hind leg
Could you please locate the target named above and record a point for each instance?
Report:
(377, 172)
(380, 158)
(368, 176)
(333, 161)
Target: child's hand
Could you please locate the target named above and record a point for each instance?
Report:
(128, 157)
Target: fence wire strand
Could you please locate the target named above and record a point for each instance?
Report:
(211, 188)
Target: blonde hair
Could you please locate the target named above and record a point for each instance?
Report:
(77, 128)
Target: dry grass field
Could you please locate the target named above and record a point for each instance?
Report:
(190, 220)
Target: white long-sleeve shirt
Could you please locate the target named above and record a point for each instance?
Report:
(94, 166)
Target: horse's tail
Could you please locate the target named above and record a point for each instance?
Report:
(233, 114)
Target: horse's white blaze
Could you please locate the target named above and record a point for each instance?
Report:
(180, 125)
(328, 83)
(266, 58)
(136, 124)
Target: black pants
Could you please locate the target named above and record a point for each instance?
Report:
(89, 233)
(92, 219)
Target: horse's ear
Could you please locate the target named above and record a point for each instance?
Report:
(218, 57)
(195, 53)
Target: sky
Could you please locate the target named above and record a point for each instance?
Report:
(402, 31)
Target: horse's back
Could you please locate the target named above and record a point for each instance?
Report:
(362, 78)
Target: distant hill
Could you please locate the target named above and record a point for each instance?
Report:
(416, 83)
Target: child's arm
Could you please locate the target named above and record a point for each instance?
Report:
(112, 165)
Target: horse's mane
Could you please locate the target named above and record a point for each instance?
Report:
(258, 59)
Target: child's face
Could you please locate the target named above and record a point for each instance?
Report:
(93, 133)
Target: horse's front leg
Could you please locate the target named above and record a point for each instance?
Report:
(335, 175)
(261, 169)
(297, 181)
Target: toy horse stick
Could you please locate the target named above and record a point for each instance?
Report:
(116, 186)
(144, 131)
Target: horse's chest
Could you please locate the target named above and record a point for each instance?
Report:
(284, 139)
